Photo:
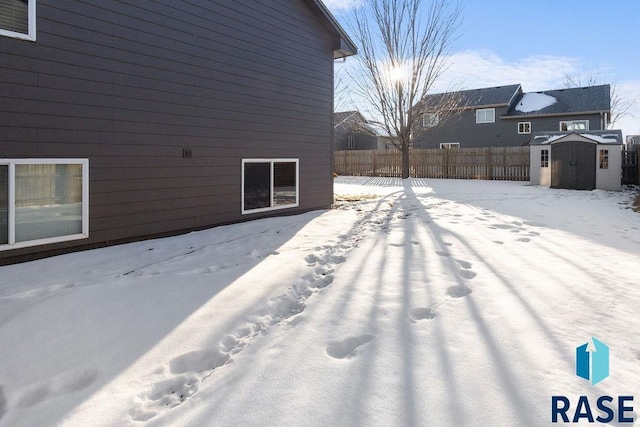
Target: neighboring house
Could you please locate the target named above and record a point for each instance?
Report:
(353, 132)
(580, 160)
(505, 116)
(124, 120)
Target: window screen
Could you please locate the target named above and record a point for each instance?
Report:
(257, 185)
(48, 201)
(284, 183)
(14, 16)
(4, 204)
(269, 184)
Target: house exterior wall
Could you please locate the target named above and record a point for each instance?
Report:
(362, 141)
(462, 128)
(610, 178)
(130, 85)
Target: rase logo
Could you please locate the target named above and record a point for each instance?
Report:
(592, 364)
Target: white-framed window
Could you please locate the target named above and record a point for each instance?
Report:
(269, 184)
(447, 145)
(524, 127)
(574, 125)
(430, 120)
(43, 201)
(351, 142)
(18, 19)
(544, 158)
(486, 115)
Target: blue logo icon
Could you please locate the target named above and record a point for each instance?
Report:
(592, 361)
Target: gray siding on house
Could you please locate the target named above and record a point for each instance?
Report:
(590, 103)
(462, 128)
(361, 141)
(129, 85)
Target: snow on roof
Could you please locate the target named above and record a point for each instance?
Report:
(546, 139)
(535, 102)
(600, 137)
(608, 138)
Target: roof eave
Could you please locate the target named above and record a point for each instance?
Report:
(344, 46)
(572, 113)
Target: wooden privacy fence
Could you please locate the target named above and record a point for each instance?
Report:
(505, 163)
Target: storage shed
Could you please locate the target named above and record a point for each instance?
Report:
(586, 160)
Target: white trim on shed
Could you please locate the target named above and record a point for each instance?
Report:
(608, 170)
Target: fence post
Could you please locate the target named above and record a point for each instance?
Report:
(445, 163)
(505, 174)
(374, 163)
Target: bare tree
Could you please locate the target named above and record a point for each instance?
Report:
(619, 103)
(403, 47)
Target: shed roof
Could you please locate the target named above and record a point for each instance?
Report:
(570, 100)
(605, 137)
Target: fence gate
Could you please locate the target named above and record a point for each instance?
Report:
(630, 167)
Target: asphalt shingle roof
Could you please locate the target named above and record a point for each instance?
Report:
(476, 98)
(571, 100)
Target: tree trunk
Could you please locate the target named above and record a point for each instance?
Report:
(405, 161)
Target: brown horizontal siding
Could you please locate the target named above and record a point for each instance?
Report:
(129, 85)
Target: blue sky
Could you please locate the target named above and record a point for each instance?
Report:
(538, 42)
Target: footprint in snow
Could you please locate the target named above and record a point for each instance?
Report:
(188, 371)
(458, 291)
(523, 239)
(467, 274)
(463, 264)
(498, 242)
(348, 348)
(337, 259)
(321, 282)
(502, 226)
(199, 361)
(165, 395)
(443, 253)
(311, 259)
(34, 396)
(421, 313)
(62, 384)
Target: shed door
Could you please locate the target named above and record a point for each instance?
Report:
(573, 165)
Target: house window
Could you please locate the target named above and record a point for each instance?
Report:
(447, 145)
(269, 184)
(486, 115)
(43, 201)
(544, 158)
(430, 120)
(18, 19)
(524, 127)
(604, 159)
(351, 142)
(574, 125)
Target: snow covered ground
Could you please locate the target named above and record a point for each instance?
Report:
(427, 302)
